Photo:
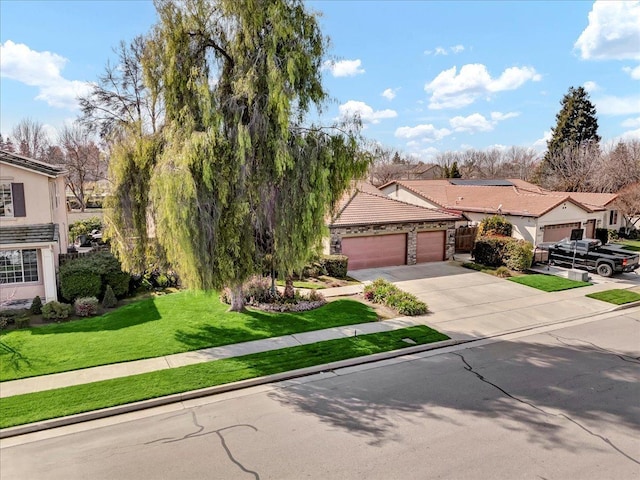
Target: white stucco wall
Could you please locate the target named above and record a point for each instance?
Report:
(398, 192)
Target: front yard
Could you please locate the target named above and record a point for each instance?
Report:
(163, 325)
(548, 283)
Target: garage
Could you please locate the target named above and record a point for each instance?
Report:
(373, 251)
(430, 246)
(555, 233)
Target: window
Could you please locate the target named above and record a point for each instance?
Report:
(613, 217)
(6, 200)
(18, 266)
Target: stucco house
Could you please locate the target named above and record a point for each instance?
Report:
(376, 231)
(33, 227)
(537, 215)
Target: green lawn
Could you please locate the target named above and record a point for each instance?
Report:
(616, 296)
(548, 283)
(38, 406)
(633, 245)
(303, 284)
(158, 326)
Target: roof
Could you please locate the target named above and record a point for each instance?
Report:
(16, 234)
(596, 201)
(31, 164)
(520, 198)
(364, 208)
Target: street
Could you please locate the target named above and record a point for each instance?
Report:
(559, 402)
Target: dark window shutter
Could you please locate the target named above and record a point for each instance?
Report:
(17, 191)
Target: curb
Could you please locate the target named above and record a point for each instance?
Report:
(228, 387)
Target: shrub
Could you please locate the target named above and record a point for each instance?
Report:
(56, 311)
(36, 305)
(495, 225)
(3, 323)
(384, 292)
(86, 306)
(23, 322)
(503, 272)
(335, 265)
(602, 234)
(257, 290)
(83, 227)
(498, 251)
(109, 300)
(88, 276)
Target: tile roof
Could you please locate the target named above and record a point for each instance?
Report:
(521, 198)
(31, 164)
(595, 201)
(364, 208)
(16, 234)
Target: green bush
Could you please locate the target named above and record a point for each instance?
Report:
(3, 323)
(335, 265)
(83, 227)
(89, 275)
(109, 300)
(86, 306)
(56, 311)
(23, 321)
(498, 251)
(36, 305)
(495, 225)
(386, 293)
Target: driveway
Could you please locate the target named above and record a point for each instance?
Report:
(466, 304)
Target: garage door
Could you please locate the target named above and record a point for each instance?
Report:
(430, 246)
(554, 233)
(375, 251)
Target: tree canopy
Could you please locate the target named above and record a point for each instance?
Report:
(237, 180)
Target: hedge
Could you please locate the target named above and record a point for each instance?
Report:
(88, 276)
(495, 225)
(503, 251)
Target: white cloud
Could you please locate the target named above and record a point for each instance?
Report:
(424, 132)
(631, 135)
(344, 68)
(445, 51)
(365, 112)
(610, 105)
(451, 89)
(631, 123)
(42, 70)
(389, 93)
(478, 123)
(613, 32)
(542, 142)
(633, 72)
(591, 86)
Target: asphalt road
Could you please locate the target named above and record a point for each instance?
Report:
(560, 404)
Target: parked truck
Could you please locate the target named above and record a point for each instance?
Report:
(591, 254)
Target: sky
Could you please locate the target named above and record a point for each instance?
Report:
(424, 76)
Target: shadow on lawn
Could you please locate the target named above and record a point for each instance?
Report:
(257, 324)
(124, 317)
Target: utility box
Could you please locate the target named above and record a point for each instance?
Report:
(579, 275)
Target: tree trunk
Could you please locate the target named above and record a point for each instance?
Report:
(288, 287)
(237, 298)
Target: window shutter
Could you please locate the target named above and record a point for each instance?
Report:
(17, 191)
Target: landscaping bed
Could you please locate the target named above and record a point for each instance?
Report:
(157, 326)
(33, 407)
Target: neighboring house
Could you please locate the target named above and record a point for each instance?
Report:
(376, 231)
(33, 227)
(537, 215)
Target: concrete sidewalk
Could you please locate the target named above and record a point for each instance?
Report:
(464, 305)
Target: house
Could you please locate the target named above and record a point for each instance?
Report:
(376, 231)
(537, 215)
(33, 227)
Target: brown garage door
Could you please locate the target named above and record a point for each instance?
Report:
(430, 246)
(375, 251)
(554, 233)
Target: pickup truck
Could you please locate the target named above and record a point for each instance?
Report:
(592, 255)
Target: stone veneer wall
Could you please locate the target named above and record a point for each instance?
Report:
(411, 229)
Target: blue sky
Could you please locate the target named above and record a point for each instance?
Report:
(425, 76)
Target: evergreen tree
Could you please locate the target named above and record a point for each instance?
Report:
(454, 172)
(236, 177)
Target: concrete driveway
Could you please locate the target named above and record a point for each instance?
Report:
(466, 304)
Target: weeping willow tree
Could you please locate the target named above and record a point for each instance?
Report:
(237, 175)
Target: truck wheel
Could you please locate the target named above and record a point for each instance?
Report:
(604, 270)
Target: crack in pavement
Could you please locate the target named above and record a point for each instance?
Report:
(621, 356)
(480, 377)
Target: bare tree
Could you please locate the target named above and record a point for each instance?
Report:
(619, 166)
(78, 152)
(121, 96)
(30, 139)
(628, 204)
(519, 162)
(571, 169)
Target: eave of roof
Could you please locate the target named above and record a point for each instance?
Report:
(30, 164)
(20, 234)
